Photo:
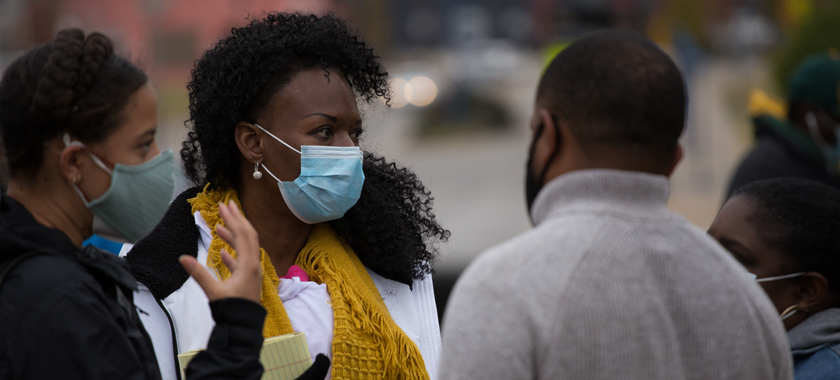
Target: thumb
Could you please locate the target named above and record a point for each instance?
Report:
(201, 276)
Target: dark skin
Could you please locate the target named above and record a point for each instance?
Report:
(737, 229)
(310, 110)
(825, 121)
(571, 155)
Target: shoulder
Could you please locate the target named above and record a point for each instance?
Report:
(45, 273)
(822, 365)
(43, 283)
(154, 259)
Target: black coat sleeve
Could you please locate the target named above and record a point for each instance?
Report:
(233, 351)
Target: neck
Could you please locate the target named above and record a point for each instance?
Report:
(281, 234)
(628, 159)
(52, 205)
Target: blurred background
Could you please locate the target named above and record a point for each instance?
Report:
(464, 74)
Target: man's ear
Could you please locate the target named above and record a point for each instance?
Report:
(250, 143)
(812, 291)
(546, 144)
(679, 153)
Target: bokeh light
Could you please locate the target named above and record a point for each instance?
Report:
(423, 91)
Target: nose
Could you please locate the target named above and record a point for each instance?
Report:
(343, 139)
(154, 151)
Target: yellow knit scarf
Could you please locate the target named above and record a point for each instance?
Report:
(367, 343)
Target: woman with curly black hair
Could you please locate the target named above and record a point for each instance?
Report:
(348, 238)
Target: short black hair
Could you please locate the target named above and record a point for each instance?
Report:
(392, 227)
(616, 87)
(800, 218)
(74, 84)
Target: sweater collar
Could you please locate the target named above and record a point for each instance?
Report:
(619, 189)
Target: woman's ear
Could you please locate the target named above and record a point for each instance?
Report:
(812, 292)
(249, 140)
(69, 163)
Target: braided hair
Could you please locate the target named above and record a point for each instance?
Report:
(74, 84)
(392, 227)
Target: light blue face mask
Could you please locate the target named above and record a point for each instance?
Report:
(138, 196)
(329, 184)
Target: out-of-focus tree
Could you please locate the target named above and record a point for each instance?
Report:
(817, 32)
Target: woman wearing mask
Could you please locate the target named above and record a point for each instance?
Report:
(347, 238)
(786, 232)
(78, 129)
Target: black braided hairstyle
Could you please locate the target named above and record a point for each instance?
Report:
(74, 84)
(392, 227)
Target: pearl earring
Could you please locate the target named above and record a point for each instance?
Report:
(257, 174)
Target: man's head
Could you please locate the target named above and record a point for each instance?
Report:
(611, 100)
(813, 102)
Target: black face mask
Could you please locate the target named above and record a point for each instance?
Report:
(532, 184)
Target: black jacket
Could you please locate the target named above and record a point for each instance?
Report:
(67, 313)
(782, 151)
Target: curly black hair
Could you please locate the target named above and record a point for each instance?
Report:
(74, 84)
(392, 227)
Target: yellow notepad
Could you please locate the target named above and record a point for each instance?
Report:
(283, 357)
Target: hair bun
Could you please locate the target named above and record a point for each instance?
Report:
(69, 72)
(97, 50)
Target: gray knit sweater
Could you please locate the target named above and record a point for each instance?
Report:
(610, 284)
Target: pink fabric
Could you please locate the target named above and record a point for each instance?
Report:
(296, 271)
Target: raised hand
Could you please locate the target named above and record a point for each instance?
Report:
(246, 271)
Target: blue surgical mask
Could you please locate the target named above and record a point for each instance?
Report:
(138, 196)
(329, 184)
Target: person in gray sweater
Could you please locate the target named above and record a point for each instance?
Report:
(609, 284)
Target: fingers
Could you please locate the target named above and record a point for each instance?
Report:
(242, 235)
(224, 233)
(202, 277)
(229, 260)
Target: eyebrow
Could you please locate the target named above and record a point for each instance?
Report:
(330, 117)
(149, 132)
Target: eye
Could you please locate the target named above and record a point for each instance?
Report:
(324, 132)
(356, 133)
(147, 145)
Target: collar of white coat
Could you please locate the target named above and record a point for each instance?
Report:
(396, 295)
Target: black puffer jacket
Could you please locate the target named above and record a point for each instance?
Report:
(782, 151)
(67, 313)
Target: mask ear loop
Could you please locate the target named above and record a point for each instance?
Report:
(270, 173)
(792, 275)
(811, 121)
(278, 139)
(96, 160)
